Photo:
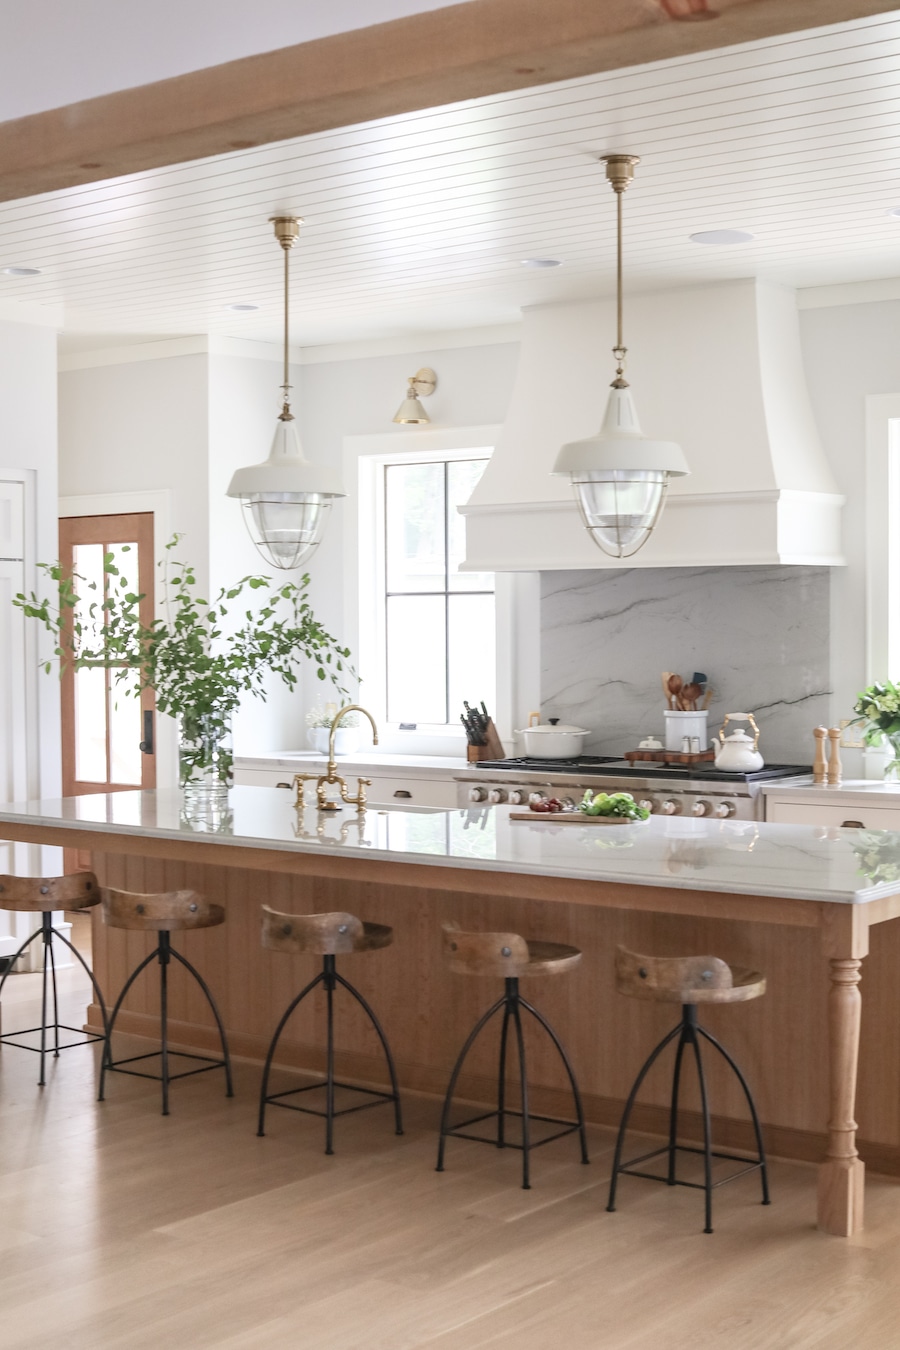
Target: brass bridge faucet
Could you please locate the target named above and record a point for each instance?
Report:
(331, 775)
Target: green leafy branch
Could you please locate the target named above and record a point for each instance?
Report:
(205, 655)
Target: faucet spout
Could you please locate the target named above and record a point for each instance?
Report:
(342, 712)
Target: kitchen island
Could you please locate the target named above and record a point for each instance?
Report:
(793, 901)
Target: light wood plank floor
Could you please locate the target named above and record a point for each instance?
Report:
(121, 1229)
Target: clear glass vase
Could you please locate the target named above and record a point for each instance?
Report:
(892, 764)
(205, 759)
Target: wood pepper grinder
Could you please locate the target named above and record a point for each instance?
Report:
(827, 770)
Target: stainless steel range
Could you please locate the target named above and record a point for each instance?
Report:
(666, 790)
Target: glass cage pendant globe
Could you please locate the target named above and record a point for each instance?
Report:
(619, 507)
(620, 477)
(286, 500)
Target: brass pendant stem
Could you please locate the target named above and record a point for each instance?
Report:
(287, 232)
(619, 173)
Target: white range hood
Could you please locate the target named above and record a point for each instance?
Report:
(717, 369)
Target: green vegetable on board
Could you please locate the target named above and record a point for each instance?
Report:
(617, 804)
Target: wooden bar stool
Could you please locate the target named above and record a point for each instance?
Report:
(687, 980)
(42, 895)
(509, 956)
(164, 914)
(328, 936)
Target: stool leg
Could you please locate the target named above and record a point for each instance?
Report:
(328, 972)
(226, 1057)
(263, 1097)
(512, 994)
(561, 1050)
(501, 1082)
(42, 1080)
(162, 951)
(673, 1109)
(55, 998)
(106, 1058)
(626, 1114)
(395, 1090)
(448, 1100)
(90, 974)
(690, 1012)
(752, 1105)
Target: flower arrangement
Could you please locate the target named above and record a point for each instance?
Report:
(199, 661)
(323, 717)
(878, 709)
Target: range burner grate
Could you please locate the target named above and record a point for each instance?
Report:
(608, 765)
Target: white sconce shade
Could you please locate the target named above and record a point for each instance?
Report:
(411, 412)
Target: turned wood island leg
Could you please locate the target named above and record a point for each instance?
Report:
(842, 1174)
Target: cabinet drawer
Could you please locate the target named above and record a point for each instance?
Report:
(804, 813)
(415, 791)
(263, 777)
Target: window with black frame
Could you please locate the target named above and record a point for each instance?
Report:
(439, 622)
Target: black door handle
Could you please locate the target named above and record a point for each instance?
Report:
(147, 743)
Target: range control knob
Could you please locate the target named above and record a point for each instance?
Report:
(724, 810)
(647, 804)
(671, 808)
(477, 794)
(568, 803)
(537, 797)
(497, 795)
(701, 808)
(518, 797)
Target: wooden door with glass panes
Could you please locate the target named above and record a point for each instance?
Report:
(108, 734)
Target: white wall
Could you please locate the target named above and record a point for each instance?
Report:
(67, 50)
(28, 441)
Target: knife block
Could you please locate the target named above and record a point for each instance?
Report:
(492, 748)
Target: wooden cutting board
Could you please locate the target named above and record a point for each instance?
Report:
(572, 818)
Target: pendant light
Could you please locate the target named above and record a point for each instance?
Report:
(620, 476)
(286, 499)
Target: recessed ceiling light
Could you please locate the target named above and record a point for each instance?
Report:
(721, 238)
(21, 271)
(541, 262)
(242, 309)
(893, 211)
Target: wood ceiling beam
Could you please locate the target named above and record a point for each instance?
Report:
(460, 52)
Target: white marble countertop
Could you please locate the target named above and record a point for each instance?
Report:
(740, 857)
(413, 766)
(850, 789)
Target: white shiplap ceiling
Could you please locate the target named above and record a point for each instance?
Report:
(419, 222)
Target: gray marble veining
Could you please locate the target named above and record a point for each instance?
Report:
(761, 634)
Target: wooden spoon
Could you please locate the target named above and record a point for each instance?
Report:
(675, 685)
(689, 695)
(666, 676)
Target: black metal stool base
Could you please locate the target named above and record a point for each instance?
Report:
(329, 977)
(511, 1003)
(688, 1032)
(163, 953)
(49, 935)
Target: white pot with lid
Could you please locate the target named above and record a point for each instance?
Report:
(552, 740)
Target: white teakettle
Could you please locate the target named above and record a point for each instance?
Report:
(737, 753)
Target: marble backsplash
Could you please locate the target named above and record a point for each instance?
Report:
(761, 634)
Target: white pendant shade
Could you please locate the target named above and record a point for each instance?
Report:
(620, 477)
(287, 499)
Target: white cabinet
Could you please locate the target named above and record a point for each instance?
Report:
(864, 805)
(393, 790)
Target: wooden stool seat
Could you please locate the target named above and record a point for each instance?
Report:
(322, 934)
(505, 954)
(326, 935)
(37, 895)
(511, 957)
(685, 979)
(166, 912)
(688, 980)
(43, 895)
(163, 913)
